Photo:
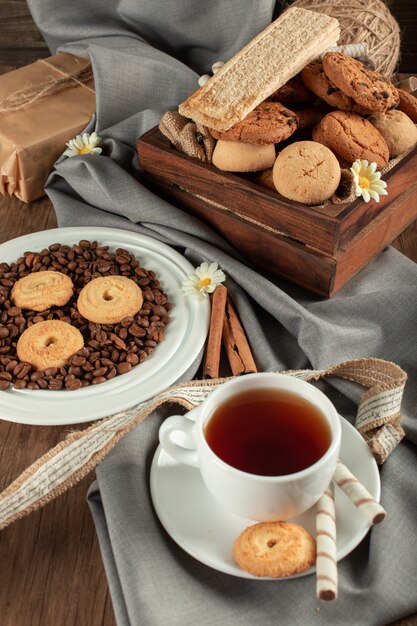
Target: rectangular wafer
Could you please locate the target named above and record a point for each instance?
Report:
(266, 63)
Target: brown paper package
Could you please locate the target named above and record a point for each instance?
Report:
(34, 136)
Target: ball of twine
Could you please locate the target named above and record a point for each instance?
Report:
(367, 21)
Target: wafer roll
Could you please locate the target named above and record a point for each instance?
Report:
(326, 560)
(359, 495)
(266, 63)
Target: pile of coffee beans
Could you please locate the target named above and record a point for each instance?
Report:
(109, 349)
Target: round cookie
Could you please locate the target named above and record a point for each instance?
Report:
(108, 299)
(295, 91)
(270, 122)
(275, 549)
(235, 156)
(306, 172)
(397, 129)
(408, 104)
(315, 78)
(49, 344)
(368, 88)
(308, 116)
(41, 290)
(352, 137)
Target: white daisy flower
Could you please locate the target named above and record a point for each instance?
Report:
(367, 180)
(203, 280)
(83, 144)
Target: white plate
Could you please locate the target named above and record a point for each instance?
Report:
(184, 337)
(207, 531)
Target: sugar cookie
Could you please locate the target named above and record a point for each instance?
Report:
(49, 344)
(352, 137)
(306, 172)
(276, 549)
(107, 300)
(41, 290)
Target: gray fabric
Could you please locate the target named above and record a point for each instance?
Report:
(146, 58)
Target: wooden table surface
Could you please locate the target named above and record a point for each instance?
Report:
(51, 572)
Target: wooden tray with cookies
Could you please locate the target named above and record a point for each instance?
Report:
(307, 166)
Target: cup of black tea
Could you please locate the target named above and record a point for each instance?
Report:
(266, 444)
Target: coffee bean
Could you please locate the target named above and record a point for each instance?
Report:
(98, 380)
(5, 376)
(20, 384)
(137, 331)
(4, 332)
(51, 371)
(73, 384)
(133, 359)
(32, 385)
(21, 370)
(111, 372)
(101, 371)
(4, 384)
(123, 368)
(55, 384)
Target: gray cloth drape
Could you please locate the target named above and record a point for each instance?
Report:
(146, 57)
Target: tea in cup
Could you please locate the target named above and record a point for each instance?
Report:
(266, 444)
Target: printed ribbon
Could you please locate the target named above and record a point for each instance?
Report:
(74, 457)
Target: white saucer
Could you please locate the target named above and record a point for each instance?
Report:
(207, 532)
(184, 337)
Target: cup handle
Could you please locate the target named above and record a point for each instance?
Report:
(185, 452)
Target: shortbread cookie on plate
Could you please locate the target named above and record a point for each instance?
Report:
(108, 299)
(49, 344)
(40, 290)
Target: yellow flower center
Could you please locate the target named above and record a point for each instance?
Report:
(364, 183)
(203, 283)
(85, 150)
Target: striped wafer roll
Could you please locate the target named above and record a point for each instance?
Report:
(326, 561)
(359, 495)
(266, 63)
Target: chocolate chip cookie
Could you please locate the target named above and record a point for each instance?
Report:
(368, 88)
(270, 122)
(352, 137)
(316, 80)
(295, 91)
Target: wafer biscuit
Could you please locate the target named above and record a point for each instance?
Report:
(266, 63)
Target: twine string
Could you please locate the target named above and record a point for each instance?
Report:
(28, 95)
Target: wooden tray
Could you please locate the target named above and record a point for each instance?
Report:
(319, 248)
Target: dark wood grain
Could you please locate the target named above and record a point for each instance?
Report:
(51, 573)
(318, 248)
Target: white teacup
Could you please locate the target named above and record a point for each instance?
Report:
(254, 495)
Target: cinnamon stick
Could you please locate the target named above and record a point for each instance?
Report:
(213, 347)
(237, 347)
